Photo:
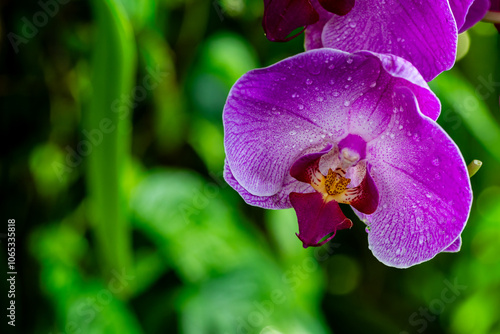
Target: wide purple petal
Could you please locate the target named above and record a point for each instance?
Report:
(317, 219)
(282, 17)
(365, 196)
(460, 8)
(306, 166)
(425, 193)
(314, 31)
(400, 68)
(423, 33)
(273, 116)
(279, 200)
(475, 14)
(454, 247)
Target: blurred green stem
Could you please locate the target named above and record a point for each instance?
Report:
(194, 24)
(108, 122)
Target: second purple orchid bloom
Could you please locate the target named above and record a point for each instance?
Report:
(422, 32)
(327, 127)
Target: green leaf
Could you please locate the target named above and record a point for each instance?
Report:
(108, 121)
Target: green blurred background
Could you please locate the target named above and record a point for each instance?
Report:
(112, 159)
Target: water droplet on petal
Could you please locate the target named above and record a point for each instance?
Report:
(336, 94)
(293, 133)
(309, 81)
(301, 107)
(373, 84)
(347, 103)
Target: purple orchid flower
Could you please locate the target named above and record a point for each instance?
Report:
(327, 127)
(422, 32)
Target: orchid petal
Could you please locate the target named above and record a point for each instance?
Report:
(279, 200)
(427, 39)
(469, 12)
(475, 14)
(314, 31)
(455, 246)
(282, 17)
(425, 193)
(364, 197)
(317, 218)
(460, 8)
(307, 166)
(400, 68)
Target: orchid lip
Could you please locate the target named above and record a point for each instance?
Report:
(318, 213)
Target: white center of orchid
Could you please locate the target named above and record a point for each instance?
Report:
(333, 185)
(348, 158)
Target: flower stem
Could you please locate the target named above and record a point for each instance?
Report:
(492, 17)
(113, 71)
